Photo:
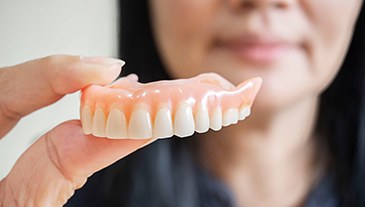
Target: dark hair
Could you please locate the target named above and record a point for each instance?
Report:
(341, 121)
(163, 174)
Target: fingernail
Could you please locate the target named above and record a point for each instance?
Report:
(102, 61)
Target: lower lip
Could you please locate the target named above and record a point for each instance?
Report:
(259, 53)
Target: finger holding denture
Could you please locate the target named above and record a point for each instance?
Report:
(129, 109)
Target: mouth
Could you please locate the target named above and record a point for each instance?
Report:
(256, 50)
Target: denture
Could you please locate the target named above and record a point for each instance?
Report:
(129, 109)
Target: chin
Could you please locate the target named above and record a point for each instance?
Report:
(273, 99)
(266, 102)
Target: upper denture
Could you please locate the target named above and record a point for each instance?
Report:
(129, 109)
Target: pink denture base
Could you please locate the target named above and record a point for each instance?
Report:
(210, 90)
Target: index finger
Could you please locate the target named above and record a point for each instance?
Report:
(32, 85)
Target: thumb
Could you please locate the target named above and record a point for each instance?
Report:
(49, 172)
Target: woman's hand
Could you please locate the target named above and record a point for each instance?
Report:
(60, 162)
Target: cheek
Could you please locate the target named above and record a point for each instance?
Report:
(332, 29)
(183, 30)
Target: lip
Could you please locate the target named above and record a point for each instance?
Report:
(257, 50)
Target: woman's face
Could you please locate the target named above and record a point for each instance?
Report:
(296, 46)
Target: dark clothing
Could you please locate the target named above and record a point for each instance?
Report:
(212, 193)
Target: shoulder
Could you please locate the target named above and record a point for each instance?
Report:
(323, 193)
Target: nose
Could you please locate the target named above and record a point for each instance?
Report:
(259, 4)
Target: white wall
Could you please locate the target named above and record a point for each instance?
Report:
(31, 29)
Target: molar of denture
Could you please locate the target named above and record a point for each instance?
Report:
(184, 124)
(116, 125)
(234, 116)
(216, 119)
(163, 124)
(244, 112)
(99, 123)
(140, 126)
(87, 120)
(202, 119)
(230, 117)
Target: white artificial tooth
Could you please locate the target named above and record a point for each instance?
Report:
(86, 119)
(163, 124)
(234, 116)
(216, 119)
(202, 120)
(116, 125)
(184, 124)
(99, 123)
(244, 112)
(140, 126)
(230, 117)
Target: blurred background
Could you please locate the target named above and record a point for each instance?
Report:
(32, 29)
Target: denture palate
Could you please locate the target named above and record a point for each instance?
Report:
(129, 109)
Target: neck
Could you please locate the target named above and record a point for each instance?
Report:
(268, 159)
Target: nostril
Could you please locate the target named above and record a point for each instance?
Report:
(248, 5)
(280, 5)
(256, 4)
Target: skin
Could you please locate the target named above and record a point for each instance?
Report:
(297, 47)
(60, 162)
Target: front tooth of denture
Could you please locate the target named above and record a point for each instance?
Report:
(216, 119)
(99, 123)
(230, 117)
(244, 112)
(202, 120)
(184, 124)
(163, 124)
(140, 126)
(87, 120)
(116, 125)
